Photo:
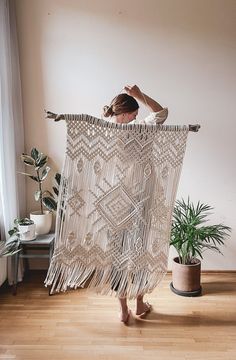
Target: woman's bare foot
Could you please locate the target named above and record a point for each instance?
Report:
(124, 316)
(125, 312)
(142, 308)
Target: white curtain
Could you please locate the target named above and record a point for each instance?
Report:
(12, 185)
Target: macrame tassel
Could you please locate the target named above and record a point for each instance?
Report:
(118, 188)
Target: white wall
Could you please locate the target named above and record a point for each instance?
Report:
(78, 54)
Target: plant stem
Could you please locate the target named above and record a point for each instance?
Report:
(40, 189)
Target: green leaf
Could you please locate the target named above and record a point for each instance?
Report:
(50, 203)
(58, 178)
(13, 231)
(23, 221)
(11, 246)
(10, 252)
(45, 173)
(35, 178)
(13, 239)
(42, 160)
(34, 154)
(56, 191)
(28, 160)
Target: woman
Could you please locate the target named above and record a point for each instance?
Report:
(124, 109)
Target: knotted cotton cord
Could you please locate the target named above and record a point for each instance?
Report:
(119, 184)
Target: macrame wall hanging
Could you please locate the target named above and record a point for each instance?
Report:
(117, 194)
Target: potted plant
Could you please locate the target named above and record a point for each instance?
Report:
(47, 200)
(191, 237)
(10, 247)
(24, 229)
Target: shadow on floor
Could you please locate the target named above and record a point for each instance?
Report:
(155, 319)
(218, 287)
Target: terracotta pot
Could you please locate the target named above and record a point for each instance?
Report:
(186, 278)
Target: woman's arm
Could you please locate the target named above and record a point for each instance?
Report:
(143, 98)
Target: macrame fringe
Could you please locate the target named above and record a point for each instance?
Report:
(62, 277)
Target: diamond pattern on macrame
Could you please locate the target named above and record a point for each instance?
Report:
(117, 206)
(97, 167)
(121, 259)
(147, 170)
(164, 172)
(88, 240)
(71, 241)
(131, 266)
(137, 151)
(76, 202)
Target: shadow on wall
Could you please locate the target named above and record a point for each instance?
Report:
(30, 49)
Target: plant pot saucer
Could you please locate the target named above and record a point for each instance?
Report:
(186, 293)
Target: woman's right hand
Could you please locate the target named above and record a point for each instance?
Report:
(133, 90)
(146, 100)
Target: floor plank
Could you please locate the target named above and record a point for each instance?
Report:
(85, 326)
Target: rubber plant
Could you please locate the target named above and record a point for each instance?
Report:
(38, 162)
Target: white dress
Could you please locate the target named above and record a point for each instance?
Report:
(153, 118)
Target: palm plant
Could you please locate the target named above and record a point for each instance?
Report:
(188, 234)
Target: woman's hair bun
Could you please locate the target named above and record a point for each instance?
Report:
(121, 104)
(107, 111)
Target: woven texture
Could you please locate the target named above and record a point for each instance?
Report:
(117, 194)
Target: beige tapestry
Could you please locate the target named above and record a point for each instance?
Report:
(117, 194)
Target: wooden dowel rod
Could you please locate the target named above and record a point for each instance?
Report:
(58, 117)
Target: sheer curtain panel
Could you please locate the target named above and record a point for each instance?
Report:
(11, 125)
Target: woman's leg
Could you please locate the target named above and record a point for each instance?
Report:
(124, 310)
(142, 307)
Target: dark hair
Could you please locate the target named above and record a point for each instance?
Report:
(121, 104)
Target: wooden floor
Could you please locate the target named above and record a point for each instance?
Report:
(82, 325)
